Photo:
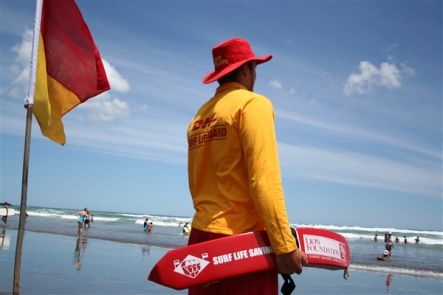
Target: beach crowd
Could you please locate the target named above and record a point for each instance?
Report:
(389, 243)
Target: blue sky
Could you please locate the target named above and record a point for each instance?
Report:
(356, 87)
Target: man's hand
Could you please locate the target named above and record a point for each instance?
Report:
(291, 262)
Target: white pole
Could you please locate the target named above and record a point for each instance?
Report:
(35, 40)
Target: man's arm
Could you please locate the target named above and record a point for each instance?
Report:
(261, 156)
(260, 150)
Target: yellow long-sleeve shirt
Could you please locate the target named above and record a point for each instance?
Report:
(234, 172)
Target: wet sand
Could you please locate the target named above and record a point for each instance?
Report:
(58, 264)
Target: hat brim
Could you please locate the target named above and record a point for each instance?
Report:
(215, 75)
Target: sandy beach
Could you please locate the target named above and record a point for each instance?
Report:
(59, 264)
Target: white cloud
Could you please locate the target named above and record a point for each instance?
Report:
(356, 133)
(276, 84)
(105, 108)
(359, 170)
(391, 48)
(101, 108)
(150, 138)
(23, 49)
(388, 75)
(406, 70)
(21, 65)
(117, 82)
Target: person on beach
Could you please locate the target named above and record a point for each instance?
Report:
(150, 226)
(186, 229)
(376, 238)
(417, 240)
(405, 240)
(389, 243)
(145, 224)
(386, 254)
(5, 217)
(234, 172)
(81, 221)
(88, 219)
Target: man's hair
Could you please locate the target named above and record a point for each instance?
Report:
(232, 76)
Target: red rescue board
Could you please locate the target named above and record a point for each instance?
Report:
(231, 256)
(325, 249)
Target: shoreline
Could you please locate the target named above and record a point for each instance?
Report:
(413, 260)
(62, 264)
(352, 266)
(399, 271)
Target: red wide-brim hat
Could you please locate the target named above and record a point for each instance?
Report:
(230, 55)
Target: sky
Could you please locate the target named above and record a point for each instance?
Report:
(356, 88)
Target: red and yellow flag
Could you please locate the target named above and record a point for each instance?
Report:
(69, 66)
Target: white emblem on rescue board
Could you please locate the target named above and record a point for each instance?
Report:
(191, 266)
(317, 245)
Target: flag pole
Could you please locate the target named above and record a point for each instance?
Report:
(29, 101)
(21, 225)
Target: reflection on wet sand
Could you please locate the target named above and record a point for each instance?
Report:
(4, 240)
(80, 246)
(388, 281)
(146, 250)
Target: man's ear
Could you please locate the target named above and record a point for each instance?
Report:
(244, 70)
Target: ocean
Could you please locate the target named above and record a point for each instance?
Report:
(420, 260)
